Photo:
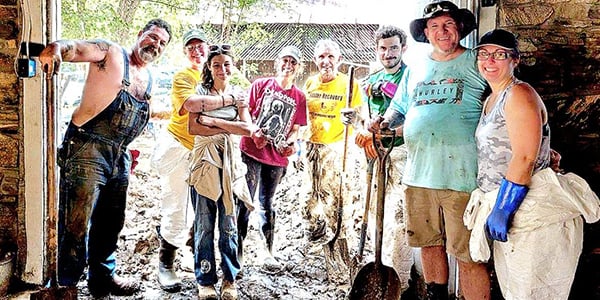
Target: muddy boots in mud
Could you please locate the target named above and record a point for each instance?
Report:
(167, 277)
(267, 232)
(436, 291)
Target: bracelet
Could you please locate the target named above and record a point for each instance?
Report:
(202, 102)
(198, 119)
(222, 100)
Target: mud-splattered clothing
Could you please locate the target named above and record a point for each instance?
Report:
(217, 184)
(94, 175)
(442, 104)
(268, 101)
(171, 158)
(325, 102)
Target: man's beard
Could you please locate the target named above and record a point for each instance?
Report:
(149, 54)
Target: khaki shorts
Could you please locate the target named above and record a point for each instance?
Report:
(435, 218)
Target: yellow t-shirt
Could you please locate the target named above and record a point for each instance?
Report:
(325, 102)
(184, 86)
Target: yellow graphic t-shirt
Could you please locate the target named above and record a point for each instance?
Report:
(184, 86)
(325, 102)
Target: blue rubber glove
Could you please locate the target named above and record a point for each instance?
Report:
(510, 196)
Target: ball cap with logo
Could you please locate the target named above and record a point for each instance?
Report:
(291, 51)
(434, 9)
(194, 34)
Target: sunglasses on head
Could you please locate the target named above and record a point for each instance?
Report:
(437, 7)
(219, 48)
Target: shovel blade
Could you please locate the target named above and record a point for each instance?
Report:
(375, 281)
(338, 262)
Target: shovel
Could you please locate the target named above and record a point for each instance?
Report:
(375, 280)
(52, 290)
(365, 222)
(337, 256)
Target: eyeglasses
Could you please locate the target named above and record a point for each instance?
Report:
(219, 48)
(191, 48)
(437, 7)
(496, 55)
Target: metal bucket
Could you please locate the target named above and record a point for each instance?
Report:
(6, 271)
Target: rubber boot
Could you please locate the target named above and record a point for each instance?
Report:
(436, 291)
(167, 277)
(268, 230)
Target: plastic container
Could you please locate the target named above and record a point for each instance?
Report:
(6, 271)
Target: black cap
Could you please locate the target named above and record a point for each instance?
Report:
(501, 38)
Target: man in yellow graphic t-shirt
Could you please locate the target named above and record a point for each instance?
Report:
(326, 95)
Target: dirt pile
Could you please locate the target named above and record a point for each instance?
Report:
(302, 274)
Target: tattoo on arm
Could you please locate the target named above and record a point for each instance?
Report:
(103, 45)
(67, 49)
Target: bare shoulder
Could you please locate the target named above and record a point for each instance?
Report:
(524, 93)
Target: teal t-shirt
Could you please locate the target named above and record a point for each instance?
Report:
(378, 105)
(442, 102)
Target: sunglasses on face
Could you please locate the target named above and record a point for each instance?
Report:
(437, 7)
(496, 55)
(219, 48)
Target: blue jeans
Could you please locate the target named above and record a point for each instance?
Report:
(93, 192)
(267, 177)
(207, 211)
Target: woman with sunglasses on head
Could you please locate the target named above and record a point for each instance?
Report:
(529, 208)
(216, 176)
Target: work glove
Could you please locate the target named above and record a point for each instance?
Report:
(287, 149)
(370, 149)
(259, 138)
(382, 88)
(348, 116)
(362, 137)
(510, 196)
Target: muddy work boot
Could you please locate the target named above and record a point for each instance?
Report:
(436, 291)
(117, 286)
(228, 291)
(167, 277)
(207, 292)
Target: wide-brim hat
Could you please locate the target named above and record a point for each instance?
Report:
(462, 16)
(194, 34)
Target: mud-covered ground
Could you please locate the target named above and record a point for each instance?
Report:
(302, 274)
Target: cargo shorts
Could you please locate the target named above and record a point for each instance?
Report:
(435, 218)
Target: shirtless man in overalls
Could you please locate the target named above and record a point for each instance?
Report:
(93, 157)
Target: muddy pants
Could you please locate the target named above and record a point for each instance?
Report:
(172, 161)
(265, 178)
(94, 175)
(207, 213)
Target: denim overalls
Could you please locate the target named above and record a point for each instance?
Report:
(94, 175)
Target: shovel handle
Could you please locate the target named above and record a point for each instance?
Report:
(363, 228)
